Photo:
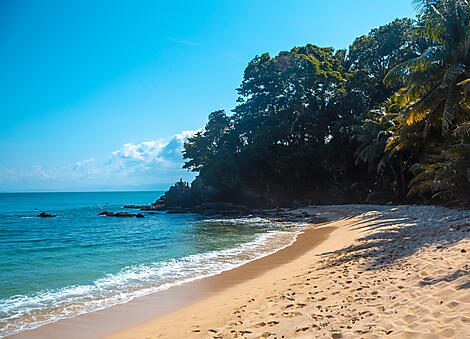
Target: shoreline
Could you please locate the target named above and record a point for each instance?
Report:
(102, 322)
(371, 271)
(395, 271)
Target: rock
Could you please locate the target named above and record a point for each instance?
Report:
(123, 214)
(179, 195)
(107, 214)
(46, 215)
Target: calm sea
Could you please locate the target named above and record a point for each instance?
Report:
(57, 268)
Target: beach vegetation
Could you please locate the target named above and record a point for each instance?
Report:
(388, 119)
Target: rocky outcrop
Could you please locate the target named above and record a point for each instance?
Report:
(179, 195)
(46, 215)
(202, 198)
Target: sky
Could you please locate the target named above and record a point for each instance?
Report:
(100, 95)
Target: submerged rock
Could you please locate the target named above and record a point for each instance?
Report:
(121, 214)
(46, 215)
(108, 214)
(135, 206)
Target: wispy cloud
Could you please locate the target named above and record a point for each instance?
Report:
(184, 42)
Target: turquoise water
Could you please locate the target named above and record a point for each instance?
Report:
(56, 268)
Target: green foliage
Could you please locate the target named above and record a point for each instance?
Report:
(386, 120)
(434, 101)
(444, 173)
(435, 81)
(203, 146)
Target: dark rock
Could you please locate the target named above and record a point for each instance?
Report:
(107, 214)
(134, 206)
(46, 215)
(123, 214)
(179, 195)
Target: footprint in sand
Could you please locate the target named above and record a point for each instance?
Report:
(302, 329)
(317, 317)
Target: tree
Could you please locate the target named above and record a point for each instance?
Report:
(437, 81)
(202, 147)
(433, 102)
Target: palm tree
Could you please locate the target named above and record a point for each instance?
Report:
(444, 172)
(437, 82)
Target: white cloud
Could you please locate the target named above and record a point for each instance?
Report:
(149, 155)
(148, 162)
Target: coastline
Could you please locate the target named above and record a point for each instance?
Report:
(395, 271)
(99, 323)
(371, 271)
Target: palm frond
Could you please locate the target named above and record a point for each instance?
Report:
(433, 55)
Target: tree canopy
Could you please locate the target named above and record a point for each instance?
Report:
(385, 120)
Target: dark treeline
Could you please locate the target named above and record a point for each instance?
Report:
(386, 120)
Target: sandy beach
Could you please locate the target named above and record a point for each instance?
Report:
(383, 271)
(370, 272)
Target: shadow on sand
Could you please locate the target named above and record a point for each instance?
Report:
(401, 231)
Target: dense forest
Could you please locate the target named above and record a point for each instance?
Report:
(387, 120)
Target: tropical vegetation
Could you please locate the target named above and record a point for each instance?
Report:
(387, 120)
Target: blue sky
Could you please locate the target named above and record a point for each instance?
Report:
(99, 95)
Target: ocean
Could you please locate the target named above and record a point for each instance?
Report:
(78, 262)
